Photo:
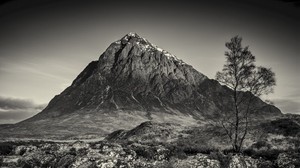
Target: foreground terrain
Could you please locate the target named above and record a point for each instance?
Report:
(274, 143)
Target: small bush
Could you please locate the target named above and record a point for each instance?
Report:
(296, 142)
(295, 155)
(194, 147)
(164, 165)
(270, 154)
(265, 164)
(23, 151)
(249, 152)
(147, 153)
(33, 162)
(6, 148)
(82, 151)
(199, 149)
(286, 127)
(223, 159)
(261, 144)
(228, 151)
(1, 161)
(65, 161)
(176, 152)
(72, 151)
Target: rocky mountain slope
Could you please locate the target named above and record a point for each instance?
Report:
(133, 81)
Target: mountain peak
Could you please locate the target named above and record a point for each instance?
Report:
(132, 34)
(133, 39)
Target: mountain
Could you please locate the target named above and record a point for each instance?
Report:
(132, 74)
(133, 81)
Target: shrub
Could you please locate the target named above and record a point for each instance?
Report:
(65, 161)
(33, 162)
(82, 151)
(183, 149)
(265, 164)
(286, 127)
(295, 156)
(193, 147)
(249, 152)
(147, 153)
(23, 151)
(176, 152)
(6, 148)
(261, 144)
(228, 151)
(296, 142)
(164, 165)
(1, 161)
(72, 151)
(270, 154)
(222, 158)
(190, 150)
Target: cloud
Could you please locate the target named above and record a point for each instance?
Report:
(287, 105)
(13, 110)
(13, 103)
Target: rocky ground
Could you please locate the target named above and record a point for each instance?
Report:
(108, 155)
(163, 145)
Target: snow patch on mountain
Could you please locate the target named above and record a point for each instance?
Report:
(147, 46)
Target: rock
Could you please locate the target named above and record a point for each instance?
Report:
(10, 160)
(22, 149)
(106, 164)
(161, 153)
(38, 158)
(94, 154)
(111, 154)
(198, 161)
(80, 161)
(265, 164)
(238, 161)
(285, 161)
(80, 145)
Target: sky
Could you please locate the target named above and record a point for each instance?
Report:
(45, 44)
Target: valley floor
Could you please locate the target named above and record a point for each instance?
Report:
(104, 154)
(270, 144)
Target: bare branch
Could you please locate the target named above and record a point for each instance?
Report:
(240, 74)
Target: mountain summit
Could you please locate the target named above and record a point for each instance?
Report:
(133, 81)
(132, 74)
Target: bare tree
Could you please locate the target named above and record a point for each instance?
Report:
(246, 81)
